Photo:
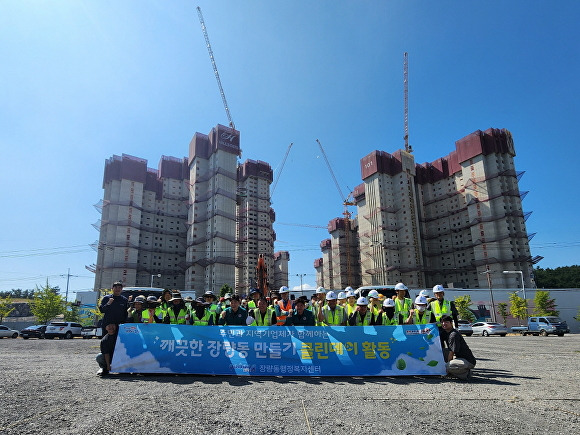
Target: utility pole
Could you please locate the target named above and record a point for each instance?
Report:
(68, 276)
(488, 273)
(301, 275)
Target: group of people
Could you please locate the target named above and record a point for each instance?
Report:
(347, 308)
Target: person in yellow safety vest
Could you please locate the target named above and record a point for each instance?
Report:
(342, 299)
(320, 302)
(374, 303)
(226, 301)
(255, 296)
(441, 307)
(210, 298)
(284, 305)
(177, 313)
(262, 315)
(134, 314)
(332, 314)
(200, 314)
(189, 303)
(388, 316)
(403, 304)
(362, 315)
(163, 301)
(420, 315)
(350, 302)
(149, 314)
(425, 294)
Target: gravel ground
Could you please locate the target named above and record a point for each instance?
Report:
(521, 385)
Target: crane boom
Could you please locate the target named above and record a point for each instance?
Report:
(408, 147)
(215, 70)
(280, 171)
(342, 197)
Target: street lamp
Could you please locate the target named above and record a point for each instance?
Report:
(301, 275)
(152, 276)
(523, 287)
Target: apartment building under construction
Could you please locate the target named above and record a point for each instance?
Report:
(194, 224)
(454, 221)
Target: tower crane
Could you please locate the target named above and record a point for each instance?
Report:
(346, 201)
(408, 147)
(215, 70)
(280, 171)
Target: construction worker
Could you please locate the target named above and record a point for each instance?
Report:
(210, 298)
(318, 303)
(374, 302)
(152, 314)
(284, 305)
(134, 314)
(262, 315)
(163, 301)
(342, 299)
(350, 302)
(300, 316)
(255, 296)
(225, 301)
(200, 314)
(362, 316)
(420, 315)
(234, 315)
(440, 306)
(177, 313)
(332, 314)
(403, 304)
(425, 293)
(388, 316)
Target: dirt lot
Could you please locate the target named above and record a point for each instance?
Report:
(521, 385)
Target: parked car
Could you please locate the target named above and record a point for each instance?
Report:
(464, 327)
(63, 330)
(489, 328)
(5, 331)
(33, 331)
(91, 331)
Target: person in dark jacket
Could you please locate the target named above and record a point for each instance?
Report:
(299, 316)
(458, 355)
(108, 342)
(114, 306)
(234, 315)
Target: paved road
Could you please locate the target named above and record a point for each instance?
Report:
(521, 385)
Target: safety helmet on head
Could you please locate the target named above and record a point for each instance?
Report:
(331, 296)
(438, 289)
(388, 303)
(151, 299)
(348, 289)
(284, 289)
(350, 294)
(424, 293)
(320, 290)
(362, 301)
(341, 295)
(420, 300)
(373, 294)
(400, 286)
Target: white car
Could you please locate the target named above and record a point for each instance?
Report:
(489, 328)
(63, 330)
(5, 331)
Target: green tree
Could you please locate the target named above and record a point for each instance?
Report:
(72, 314)
(225, 289)
(47, 303)
(518, 307)
(5, 307)
(502, 309)
(462, 304)
(560, 277)
(544, 305)
(577, 317)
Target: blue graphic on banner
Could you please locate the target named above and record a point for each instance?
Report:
(279, 351)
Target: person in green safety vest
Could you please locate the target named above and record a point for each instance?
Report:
(164, 303)
(374, 302)
(403, 304)
(362, 315)
(342, 299)
(441, 306)
(210, 298)
(150, 313)
(420, 315)
(262, 315)
(350, 302)
(388, 316)
(255, 296)
(200, 314)
(134, 314)
(332, 314)
(177, 313)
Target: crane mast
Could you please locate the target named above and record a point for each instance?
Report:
(408, 147)
(215, 70)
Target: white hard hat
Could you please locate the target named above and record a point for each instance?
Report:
(389, 303)
(400, 286)
(424, 293)
(350, 294)
(348, 289)
(362, 301)
(320, 290)
(331, 296)
(249, 320)
(438, 288)
(373, 294)
(420, 300)
(284, 289)
(341, 295)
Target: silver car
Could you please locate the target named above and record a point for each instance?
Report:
(5, 331)
(489, 328)
(464, 327)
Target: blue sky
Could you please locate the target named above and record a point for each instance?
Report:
(83, 80)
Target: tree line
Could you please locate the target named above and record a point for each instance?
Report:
(560, 277)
